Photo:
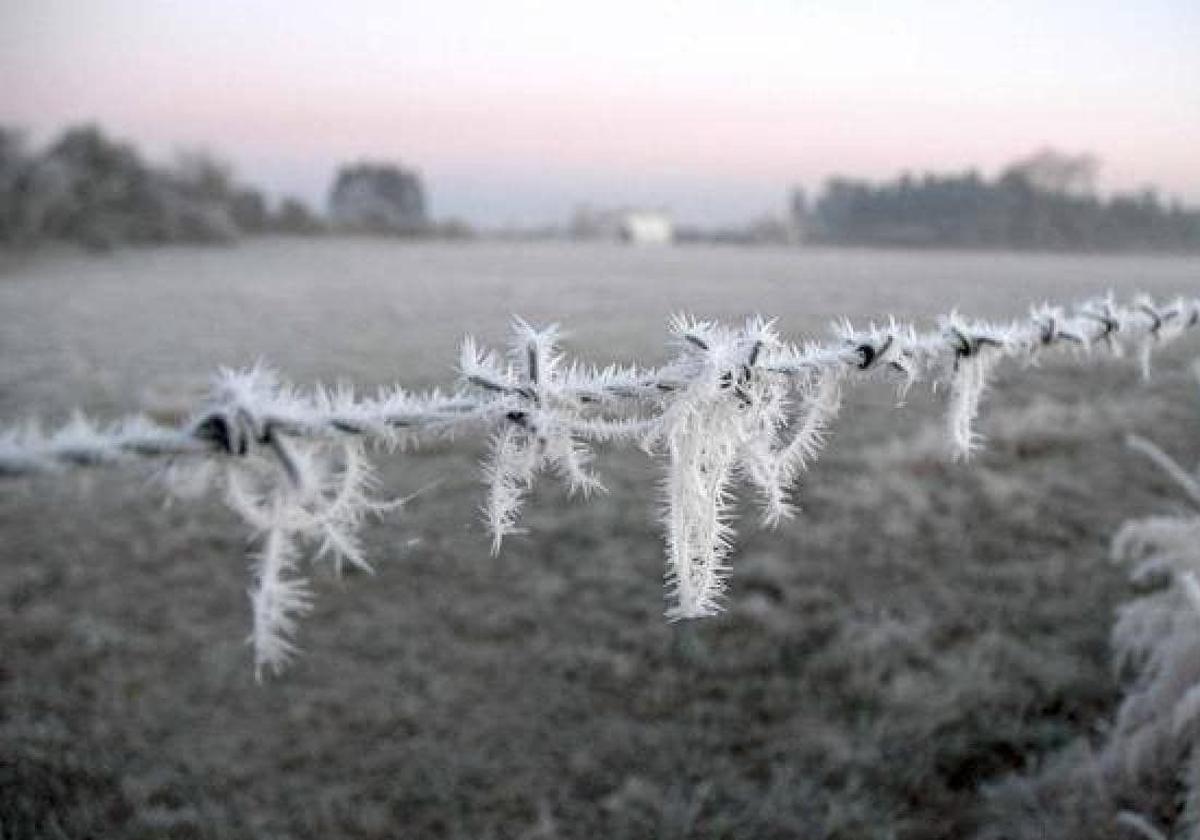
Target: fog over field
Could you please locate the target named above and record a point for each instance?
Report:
(890, 663)
(108, 332)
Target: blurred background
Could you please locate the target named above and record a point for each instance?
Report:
(345, 190)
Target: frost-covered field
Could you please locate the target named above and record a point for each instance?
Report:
(919, 632)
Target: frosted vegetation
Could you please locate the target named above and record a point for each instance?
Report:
(1142, 778)
(918, 632)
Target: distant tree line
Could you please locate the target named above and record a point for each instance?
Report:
(91, 189)
(1044, 202)
(88, 188)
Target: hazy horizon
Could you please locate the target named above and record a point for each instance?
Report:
(516, 113)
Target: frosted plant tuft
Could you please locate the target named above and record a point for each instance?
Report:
(1156, 640)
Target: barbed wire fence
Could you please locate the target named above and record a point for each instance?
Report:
(733, 403)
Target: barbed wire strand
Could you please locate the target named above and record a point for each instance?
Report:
(732, 402)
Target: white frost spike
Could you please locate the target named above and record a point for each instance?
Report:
(325, 508)
(702, 451)
(978, 349)
(325, 505)
(774, 471)
(509, 474)
(966, 390)
(536, 351)
(821, 407)
(279, 598)
(339, 506)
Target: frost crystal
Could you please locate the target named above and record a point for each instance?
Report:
(542, 414)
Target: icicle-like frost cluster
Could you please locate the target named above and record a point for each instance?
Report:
(541, 414)
(733, 406)
(294, 493)
(731, 419)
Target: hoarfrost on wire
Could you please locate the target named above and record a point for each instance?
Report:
(734, 405)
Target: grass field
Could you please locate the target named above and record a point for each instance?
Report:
(919, 632)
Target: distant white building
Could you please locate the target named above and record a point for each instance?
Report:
(647, 227)
(637, 226)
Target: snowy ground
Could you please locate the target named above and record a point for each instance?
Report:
(921, 630)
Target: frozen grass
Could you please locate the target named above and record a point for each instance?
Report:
(919, 629)
(1143, 775)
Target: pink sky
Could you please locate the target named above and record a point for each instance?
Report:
(516, 111)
